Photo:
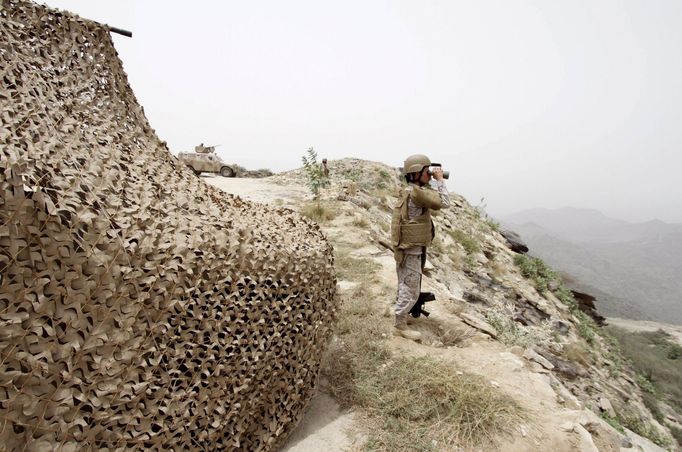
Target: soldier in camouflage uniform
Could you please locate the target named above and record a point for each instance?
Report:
(412, 231)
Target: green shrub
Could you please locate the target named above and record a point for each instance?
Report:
(470, 245)
(536, 270)
(352, 174)
(566, 297)
(612, 421)
(314, 175)
(586, 327)
(645, 384)
(674, 352)
(642, 428)
(613, 353)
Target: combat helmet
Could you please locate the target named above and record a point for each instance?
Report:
(415, 163)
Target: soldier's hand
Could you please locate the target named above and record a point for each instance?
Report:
(437, 173)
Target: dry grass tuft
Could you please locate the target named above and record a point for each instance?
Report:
(498, 270)
(577, 353)
(318, 212)
(425, 404)
(451, 335)
(351, 268)
(361, 222)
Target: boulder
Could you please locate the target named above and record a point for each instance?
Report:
(586, 304)
(531, 355)
(514, 241)
(604, 405)
(479, 324)
(475, 297)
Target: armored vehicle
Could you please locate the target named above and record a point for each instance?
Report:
(205, 160)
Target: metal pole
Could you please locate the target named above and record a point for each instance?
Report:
(121, 31)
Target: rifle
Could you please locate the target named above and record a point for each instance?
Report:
(418, 308)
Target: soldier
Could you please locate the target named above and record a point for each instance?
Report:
(412, 231)
(324, 168)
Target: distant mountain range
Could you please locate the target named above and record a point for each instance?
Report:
(634, 269)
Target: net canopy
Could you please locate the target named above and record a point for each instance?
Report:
(139, 307)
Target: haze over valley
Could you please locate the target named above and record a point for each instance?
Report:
(634, 269)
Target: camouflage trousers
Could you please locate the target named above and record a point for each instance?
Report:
(409, 285)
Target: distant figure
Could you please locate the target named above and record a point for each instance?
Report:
(324, 168)
(411, 232)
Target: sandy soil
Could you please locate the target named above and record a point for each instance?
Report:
(259, 190)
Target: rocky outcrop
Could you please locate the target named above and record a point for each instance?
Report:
(514, 241)
(139, 307)
(586, 305)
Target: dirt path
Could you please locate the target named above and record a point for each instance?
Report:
(260, 190)
(550, 425)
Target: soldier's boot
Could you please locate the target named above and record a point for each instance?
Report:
(388, 312)
(401, 329)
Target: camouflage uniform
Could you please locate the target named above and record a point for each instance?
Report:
(410, 261)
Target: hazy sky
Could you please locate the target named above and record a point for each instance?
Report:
(528, 103)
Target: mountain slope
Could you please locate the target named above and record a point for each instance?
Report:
(488, 324)
(637, 265)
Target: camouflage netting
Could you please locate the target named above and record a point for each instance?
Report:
(139, 307)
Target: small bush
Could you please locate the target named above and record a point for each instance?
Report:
(586, 327)
(352, 174)
(318, 212)
(513, 333)
(314, 175)
(674, 352)
(498, 270)
(612, 421)
(450, 336)
(437, 245)
(642, 428)
(566, 297)
(536, 270)
(470, 245)
(644, 384)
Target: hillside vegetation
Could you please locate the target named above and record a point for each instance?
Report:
(508, 361)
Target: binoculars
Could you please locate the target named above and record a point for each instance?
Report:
(446, 174)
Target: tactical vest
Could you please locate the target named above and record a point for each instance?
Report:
(419, 231)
